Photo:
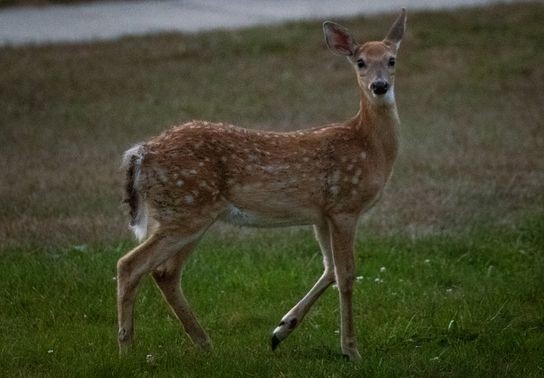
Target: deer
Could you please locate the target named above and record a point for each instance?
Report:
(182, 181)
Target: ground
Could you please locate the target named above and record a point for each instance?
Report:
(458, 232)
(45, 2)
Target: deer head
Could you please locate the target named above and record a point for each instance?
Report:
(374, 62)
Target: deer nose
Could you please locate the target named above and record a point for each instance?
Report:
(379, 87)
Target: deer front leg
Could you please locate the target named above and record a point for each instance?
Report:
(293, 318)
(167, 277)
(342, 235)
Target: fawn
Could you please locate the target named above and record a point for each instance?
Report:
(182, 181)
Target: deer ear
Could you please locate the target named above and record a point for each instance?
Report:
(338, 39)
(397, 30)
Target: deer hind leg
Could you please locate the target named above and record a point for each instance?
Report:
(167, 277)
(342, 235)
(293, 318)
(131, 268)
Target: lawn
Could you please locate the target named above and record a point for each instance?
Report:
(467, 305)
(459, 231)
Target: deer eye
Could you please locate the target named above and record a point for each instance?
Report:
(391, 62)
(361, 63)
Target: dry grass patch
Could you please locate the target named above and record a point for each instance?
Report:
(470, 92)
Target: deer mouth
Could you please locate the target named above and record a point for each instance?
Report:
(379, 92)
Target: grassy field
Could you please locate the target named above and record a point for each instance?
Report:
(459, 230)
(460, 306)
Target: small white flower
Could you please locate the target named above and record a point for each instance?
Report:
(150, 359)
(382, 269)
(114, 278)
(50, 351)
(359, 278)
(337, 332)
(449, 290)
(427, 261)
(436, 358)
(81, 248)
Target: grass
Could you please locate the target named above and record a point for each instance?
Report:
(459, 229)
(443, 305)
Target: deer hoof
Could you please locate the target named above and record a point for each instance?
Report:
(352, 356)
(274, 342)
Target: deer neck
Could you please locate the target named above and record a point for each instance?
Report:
(379, 122)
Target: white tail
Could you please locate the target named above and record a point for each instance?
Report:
(192, 175)
(132, 163)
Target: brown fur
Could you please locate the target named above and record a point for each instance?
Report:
(194, 174)
(304, 175)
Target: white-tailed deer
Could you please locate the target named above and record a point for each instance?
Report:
(181, 182)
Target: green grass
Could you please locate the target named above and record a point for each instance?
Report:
(459, 229)
(447, 305)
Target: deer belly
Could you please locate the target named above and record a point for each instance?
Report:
(266, 218)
